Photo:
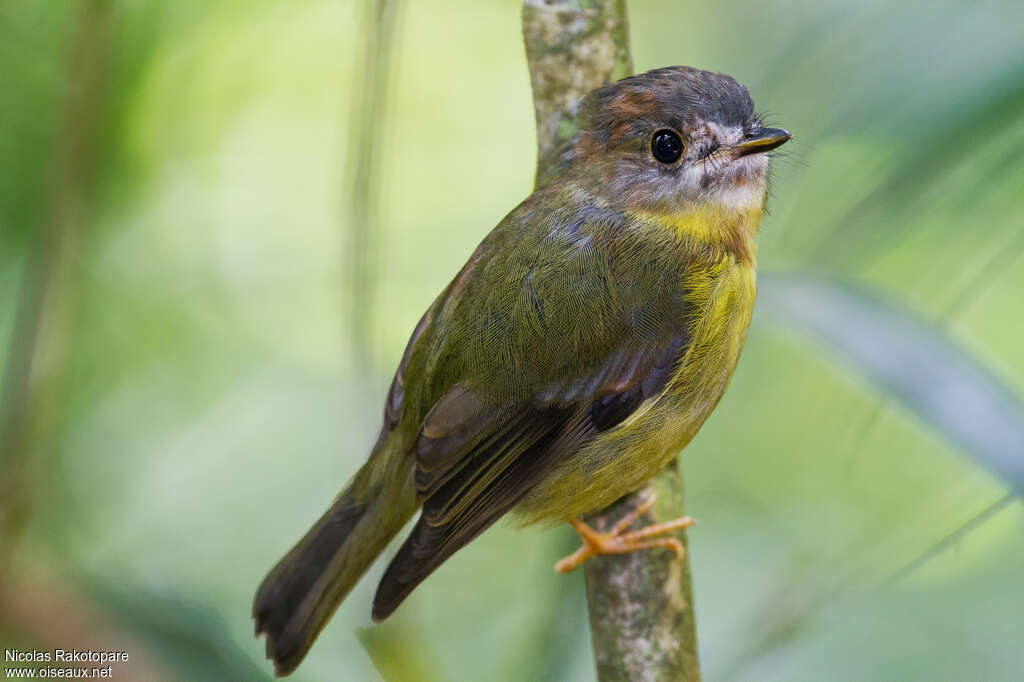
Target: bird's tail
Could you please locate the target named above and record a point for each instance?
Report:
(298, 597)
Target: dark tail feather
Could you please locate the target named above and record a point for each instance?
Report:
(426, 548)
(512, 465)
(301, 593)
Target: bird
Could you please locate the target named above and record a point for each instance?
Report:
(578, 350)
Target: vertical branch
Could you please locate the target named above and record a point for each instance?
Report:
(370, 98)
(35, 360)
(641, 604)
(572, 47)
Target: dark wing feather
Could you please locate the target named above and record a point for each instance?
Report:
(497, 474)
(475, 462)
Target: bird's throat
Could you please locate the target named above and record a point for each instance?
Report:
(717, 226)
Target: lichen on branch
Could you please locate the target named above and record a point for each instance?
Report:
(572, 47)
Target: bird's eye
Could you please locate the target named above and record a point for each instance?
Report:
(666, 146)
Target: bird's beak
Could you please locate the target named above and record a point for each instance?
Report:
(761, 140)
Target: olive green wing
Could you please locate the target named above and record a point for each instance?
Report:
(476, 460)
(500, 426)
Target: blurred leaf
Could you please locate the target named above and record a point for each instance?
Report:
(191, 639)
(932, 153)
(397, 653)
(913, 361)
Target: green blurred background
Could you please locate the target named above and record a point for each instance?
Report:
(186, 211)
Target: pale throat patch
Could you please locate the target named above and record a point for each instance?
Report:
(743, 181)
(733, 184)
(746, 196)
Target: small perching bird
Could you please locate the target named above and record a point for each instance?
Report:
(579, 349)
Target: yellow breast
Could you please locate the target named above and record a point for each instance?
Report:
(622, 459)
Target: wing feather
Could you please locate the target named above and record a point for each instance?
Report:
(476, 461)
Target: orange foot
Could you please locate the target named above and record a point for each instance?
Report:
(619, 542)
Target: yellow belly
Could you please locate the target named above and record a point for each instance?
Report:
(620, 460)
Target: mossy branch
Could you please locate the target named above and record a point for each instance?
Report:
(641, 604)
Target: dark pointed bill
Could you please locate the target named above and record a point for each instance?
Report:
(762, 140)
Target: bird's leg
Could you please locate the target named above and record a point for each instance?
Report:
(618, 541)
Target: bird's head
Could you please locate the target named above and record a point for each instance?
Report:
(674, 138)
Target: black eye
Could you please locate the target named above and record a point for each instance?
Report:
(666, 146)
